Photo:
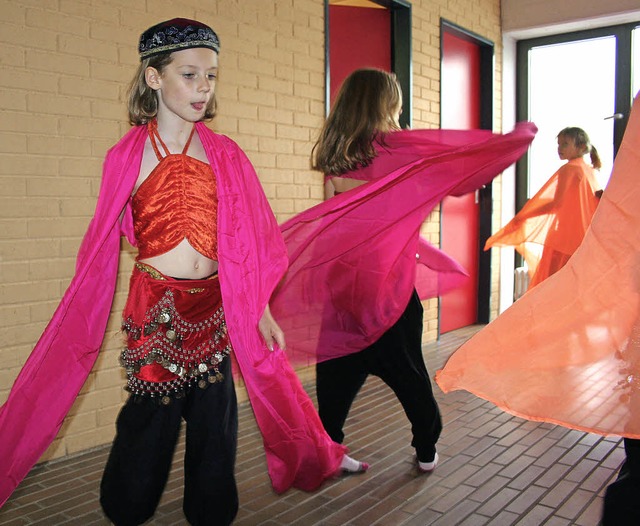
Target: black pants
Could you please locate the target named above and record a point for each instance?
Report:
(622, 499)
(397, 359)
(141, 455)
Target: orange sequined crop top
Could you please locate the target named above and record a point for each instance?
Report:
(178, 200)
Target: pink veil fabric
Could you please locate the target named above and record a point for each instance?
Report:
(436, 272)
(352, 259)
(58, 366)
(568, 351)
(252, 260)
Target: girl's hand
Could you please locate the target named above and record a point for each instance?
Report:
(271, 331)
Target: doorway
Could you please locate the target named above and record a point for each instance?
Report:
(349, 25)
(585, 79)
(466, 102)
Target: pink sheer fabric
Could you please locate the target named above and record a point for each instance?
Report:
(252, 259)
(568, 351)
(352, 259)
(551, 225)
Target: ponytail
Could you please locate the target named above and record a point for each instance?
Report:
(595, 158)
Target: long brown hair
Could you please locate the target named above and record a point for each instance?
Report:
(142, 101)
(364, 108)
(581, 140)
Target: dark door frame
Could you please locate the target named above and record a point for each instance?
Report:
(623, 93)
(401, 58)
(485, 195)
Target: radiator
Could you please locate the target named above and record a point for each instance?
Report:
(520, 282)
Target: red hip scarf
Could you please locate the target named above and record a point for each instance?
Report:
(176, 334)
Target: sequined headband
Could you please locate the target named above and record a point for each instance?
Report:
(175, 35)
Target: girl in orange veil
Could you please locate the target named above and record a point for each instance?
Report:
(568, 351)
(551, 225)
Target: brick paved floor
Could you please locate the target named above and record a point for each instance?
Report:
(495, 469)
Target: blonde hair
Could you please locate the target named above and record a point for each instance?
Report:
(142, 101)
(581, 139)
(364, 110)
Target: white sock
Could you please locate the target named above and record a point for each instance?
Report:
(350, 464)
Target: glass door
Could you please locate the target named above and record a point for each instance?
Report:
(564, 91)
(585, 79)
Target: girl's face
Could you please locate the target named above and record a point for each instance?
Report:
(186, 85)
(567, 148)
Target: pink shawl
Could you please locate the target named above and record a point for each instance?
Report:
(352, 259)
(568, 351)
(252, 260)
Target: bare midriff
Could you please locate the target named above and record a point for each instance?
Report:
(184, 262)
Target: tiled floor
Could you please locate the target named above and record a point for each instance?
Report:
(494, 469)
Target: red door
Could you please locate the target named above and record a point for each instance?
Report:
(351, 45)
(460, 109)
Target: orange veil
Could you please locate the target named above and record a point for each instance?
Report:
(551, 225)
(568, 351)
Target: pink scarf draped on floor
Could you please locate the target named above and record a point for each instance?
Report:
(352, 259)
(252, 260)
(568, 351)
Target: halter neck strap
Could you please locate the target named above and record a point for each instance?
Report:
(154, 135)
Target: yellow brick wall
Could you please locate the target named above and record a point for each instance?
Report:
(64, 68)
(482, 17)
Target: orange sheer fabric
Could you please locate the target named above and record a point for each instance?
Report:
(568, 351)
(178, 200)
(551, 225)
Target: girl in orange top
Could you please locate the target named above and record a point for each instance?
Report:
(568, 352)
(210, 254)
(551, 225)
